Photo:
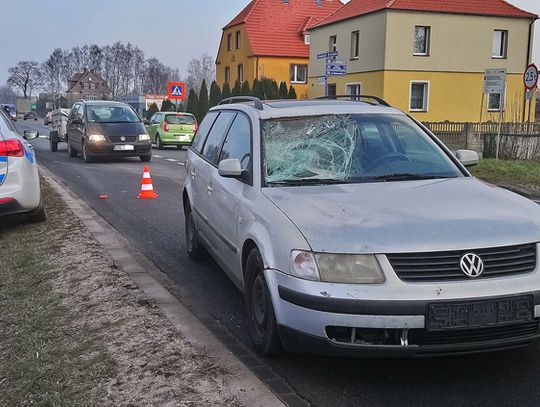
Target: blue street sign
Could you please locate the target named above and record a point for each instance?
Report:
(336, 67)
(332, 54)
(322, 55)
(177, 91)
(337, 73)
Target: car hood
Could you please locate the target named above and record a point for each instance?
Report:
(408, 216)
(116, 129)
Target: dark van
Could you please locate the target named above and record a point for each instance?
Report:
(106, 129)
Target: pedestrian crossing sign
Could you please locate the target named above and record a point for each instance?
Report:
(177, 90)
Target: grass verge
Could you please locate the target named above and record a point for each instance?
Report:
(524, 174)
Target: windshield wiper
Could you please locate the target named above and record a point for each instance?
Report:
(406, 177)
(306, 181)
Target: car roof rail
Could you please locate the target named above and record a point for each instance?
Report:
(235, 99)
(355, 98)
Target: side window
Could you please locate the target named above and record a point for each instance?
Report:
(203, 131)
(74, 112)
(157, 118)
(238, 142)
(217, 134)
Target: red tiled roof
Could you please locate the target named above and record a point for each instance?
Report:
(477, 7)
(274, 27)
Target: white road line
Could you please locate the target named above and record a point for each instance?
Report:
(158, 156)
(171, 160)
(180, 163)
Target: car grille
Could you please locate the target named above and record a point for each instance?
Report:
(443, 266)
(424, 337)
(117, 139)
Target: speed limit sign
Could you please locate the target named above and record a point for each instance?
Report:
(530, 77)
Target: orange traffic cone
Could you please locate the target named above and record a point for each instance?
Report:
(147, 189)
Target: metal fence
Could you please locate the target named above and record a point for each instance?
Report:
(518, 140)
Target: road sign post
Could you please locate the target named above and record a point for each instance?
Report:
(495, 82)
(334, 67)
(530, 80)
(176, 90)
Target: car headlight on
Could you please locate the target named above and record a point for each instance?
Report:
(144, 137)
(337, 268)
(96, 137)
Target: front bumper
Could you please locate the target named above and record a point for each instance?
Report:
(389, 320)
(101, 149)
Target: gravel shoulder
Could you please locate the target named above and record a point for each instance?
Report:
(75, 330)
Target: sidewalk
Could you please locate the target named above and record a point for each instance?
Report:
(75, 330)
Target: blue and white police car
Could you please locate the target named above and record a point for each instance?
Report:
(20, 191)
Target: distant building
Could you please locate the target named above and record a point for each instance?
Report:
(427, 58)
(269, 39)
(88, 85)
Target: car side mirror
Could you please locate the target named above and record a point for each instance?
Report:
(30, 134)
(468, 158)
(146, 122)
(230, 168)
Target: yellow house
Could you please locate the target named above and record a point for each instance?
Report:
(268, 39)
(428, 58)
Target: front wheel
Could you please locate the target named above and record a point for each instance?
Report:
(145, 158)
(262, 325)
(71, 151)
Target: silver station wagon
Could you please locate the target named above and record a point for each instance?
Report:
(353, 231)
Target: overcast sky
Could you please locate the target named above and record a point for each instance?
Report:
(172, 30)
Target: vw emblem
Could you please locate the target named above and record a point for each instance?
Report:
(471, 265)
(123, 138)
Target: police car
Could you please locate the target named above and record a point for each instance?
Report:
(20, 191)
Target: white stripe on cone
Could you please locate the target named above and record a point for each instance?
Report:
(147, 187)
(146, 175)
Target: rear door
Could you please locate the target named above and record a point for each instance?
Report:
(152, 127)
(227, 193)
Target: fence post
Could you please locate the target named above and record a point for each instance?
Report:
(473, 139)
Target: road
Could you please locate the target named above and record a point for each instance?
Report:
(156, 228)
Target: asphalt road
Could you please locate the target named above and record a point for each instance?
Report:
(156, 227)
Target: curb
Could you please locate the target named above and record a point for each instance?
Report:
(242, 383)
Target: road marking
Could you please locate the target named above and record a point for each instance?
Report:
(180, 163)
(171, 160)
(158, 156)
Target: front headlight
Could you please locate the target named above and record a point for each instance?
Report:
(144, 137)
(337, 268)
(96, 137)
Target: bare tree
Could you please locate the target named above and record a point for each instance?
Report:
(26, 76)
(52, 71)
(200, 69)
(7, 95)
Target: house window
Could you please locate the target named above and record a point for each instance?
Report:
(355, 44)
(419, 97)
(86, 85)
(227, 74)
(421, 40)
(229, 42)
(307, 39)
(500, 44)
(298, 73)
(332, 46)
(240, 73)
(353, 89)
(93, 85)
(237, 39)
(494, 102)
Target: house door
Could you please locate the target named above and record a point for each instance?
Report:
(331, 91)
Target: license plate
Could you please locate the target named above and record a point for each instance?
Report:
(182, 137)
(457, 315)
(124, 147)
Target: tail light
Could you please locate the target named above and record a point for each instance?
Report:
(11, 148)
(195, 127)
(166, 126)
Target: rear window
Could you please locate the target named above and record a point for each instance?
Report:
(179, 119)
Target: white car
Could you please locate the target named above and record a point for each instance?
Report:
(20, 191)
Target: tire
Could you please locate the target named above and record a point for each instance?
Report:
(194, 248)
(87, 158)
(179, 147)
(53, 141)
(71, 151)
(262, 325)
(159, 143)
(145, 158)
(38, 215)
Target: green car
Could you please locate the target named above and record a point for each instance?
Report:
(169, 128)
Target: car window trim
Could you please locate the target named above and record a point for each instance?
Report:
(213, 163)
(209, 130)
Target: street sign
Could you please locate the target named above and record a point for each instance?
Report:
(177, 90)
(33, 106)
(336, 67)
(530, 77)
(336, 73)
(326, 55)
(323, 81)
(495, 80)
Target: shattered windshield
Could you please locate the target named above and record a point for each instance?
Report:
(350, 148)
